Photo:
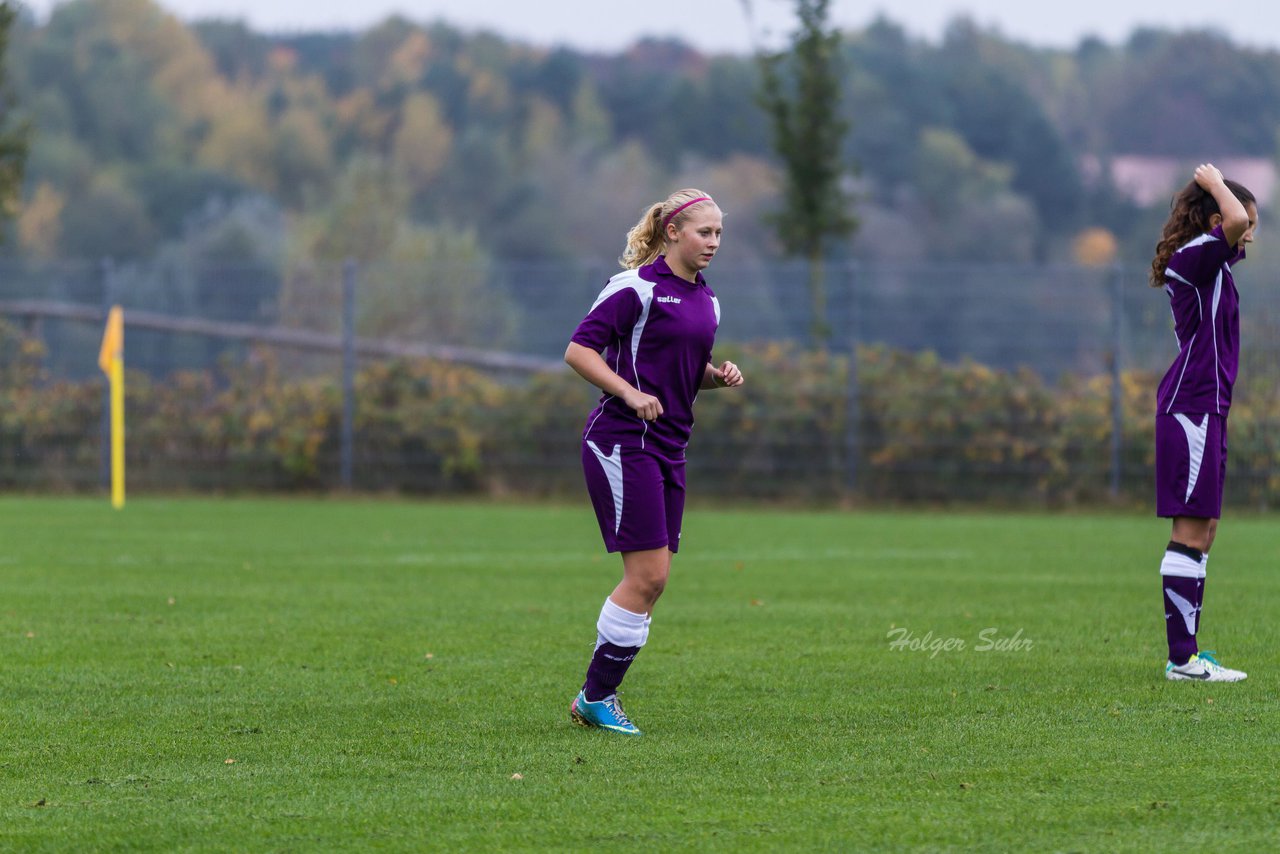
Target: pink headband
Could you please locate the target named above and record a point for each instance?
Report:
(667, 221)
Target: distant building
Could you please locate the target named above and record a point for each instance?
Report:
(1150, 180)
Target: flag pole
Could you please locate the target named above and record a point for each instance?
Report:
(111, 360)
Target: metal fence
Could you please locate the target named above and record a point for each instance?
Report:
(1056, 327)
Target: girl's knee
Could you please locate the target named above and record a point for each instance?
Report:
(655, 583)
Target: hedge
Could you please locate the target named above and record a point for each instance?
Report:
(910, 428)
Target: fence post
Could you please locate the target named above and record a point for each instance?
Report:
(852, 391)
(1117, 378)
(348, 370)
(106, 278)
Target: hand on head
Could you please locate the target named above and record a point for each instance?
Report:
(1208, 176)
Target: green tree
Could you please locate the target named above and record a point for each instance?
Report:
(1000, 119)
(800, 91)
(1218, 96)
(13, 133)
(416, 283)
(108, 220)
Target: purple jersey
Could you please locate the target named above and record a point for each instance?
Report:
(656, 331)
(1206, 321)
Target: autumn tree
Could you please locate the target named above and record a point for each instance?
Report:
(420, 147)
(13, 133)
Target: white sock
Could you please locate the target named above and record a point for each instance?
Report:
(620, 627)
(1176, 563)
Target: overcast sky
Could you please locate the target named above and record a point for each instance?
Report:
(721, 25)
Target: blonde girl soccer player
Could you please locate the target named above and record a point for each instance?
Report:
(1211, 222)
(655, 323)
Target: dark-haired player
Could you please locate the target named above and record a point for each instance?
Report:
(1211, 221)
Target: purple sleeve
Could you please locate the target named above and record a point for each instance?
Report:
(610, 319)
(1198, 262)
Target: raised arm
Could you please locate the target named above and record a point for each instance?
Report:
(1235, 219)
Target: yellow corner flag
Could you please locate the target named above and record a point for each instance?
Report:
(111, 360)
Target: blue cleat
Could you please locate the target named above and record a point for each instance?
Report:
(602, 714)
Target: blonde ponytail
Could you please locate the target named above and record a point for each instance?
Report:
(644, 240)
(647, 238)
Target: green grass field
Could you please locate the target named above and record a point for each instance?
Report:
(348, 675)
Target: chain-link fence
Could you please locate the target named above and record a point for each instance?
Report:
(913, 382)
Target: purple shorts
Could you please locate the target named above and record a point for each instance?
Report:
(1191, 464)
(638, 496)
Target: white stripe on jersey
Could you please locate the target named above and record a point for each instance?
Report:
(1213, 323)
(1190, 344)
(625, 279)
(1196, 241)
(646, 300)
(644, 290)
(1213, 327)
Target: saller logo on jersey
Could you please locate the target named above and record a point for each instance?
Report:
(673, 300)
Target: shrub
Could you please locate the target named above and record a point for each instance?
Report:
(906, 427)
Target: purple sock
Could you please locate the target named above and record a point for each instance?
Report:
(1200, 593)
(606, 670)
(1183, 589)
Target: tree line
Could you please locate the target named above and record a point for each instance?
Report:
(213, 143)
